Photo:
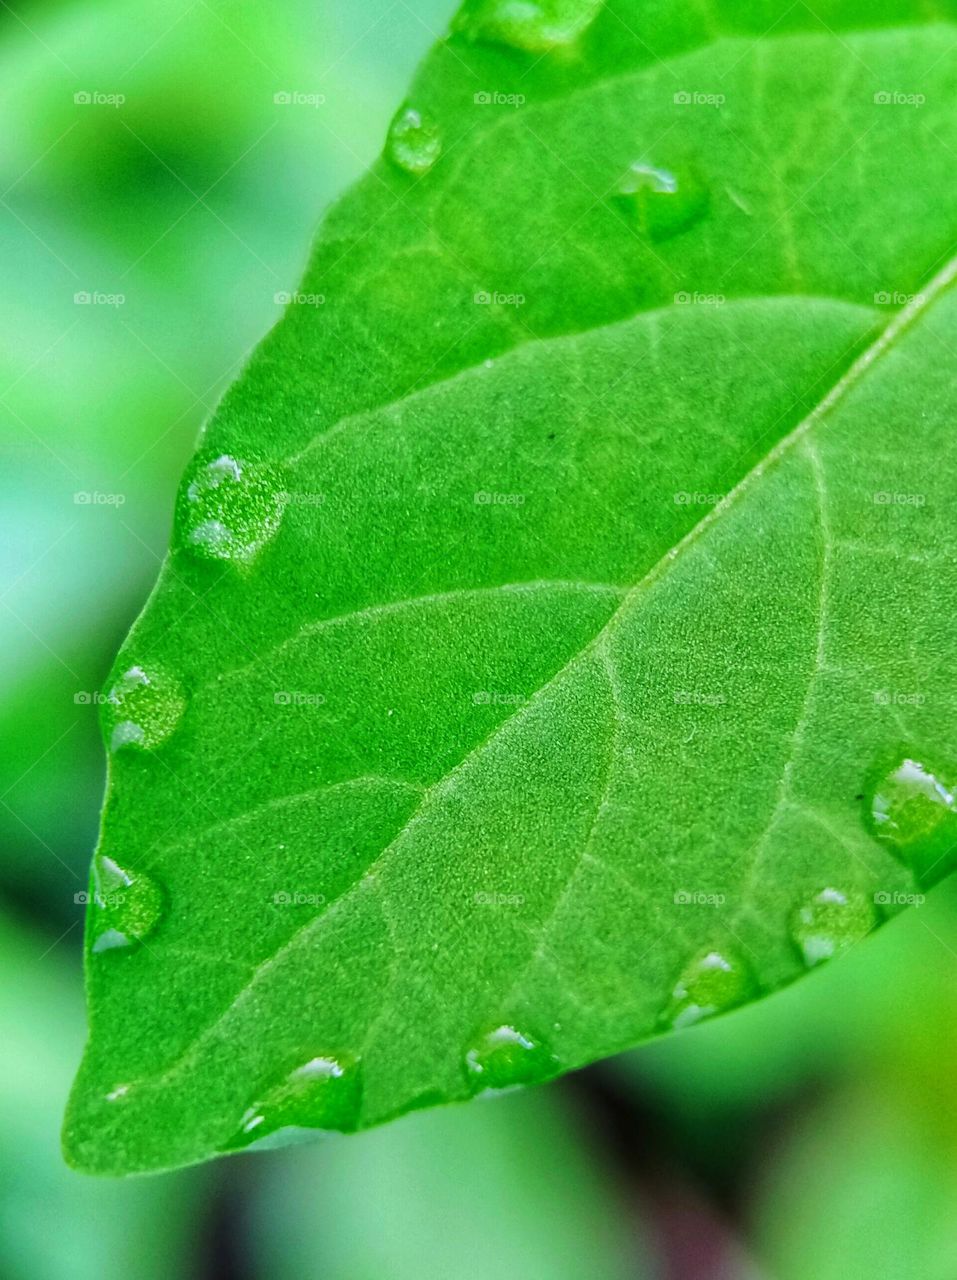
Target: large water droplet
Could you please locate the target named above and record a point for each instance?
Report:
(713, 982)
(127, 906)
(323, 1093)
(505, 1057)
(414, 142)
(229, 510)
(535, 26)
(830, 922)
(913, 809)
(661, 202)
(143, 708)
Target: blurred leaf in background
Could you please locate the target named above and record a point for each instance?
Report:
(504, 1187)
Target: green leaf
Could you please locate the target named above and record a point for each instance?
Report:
(556, 643)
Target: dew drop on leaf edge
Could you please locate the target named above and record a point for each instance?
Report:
(533, 26)
(127, 906)
(229, 509)
(505, 1057)
(713, 982)
(661, 202)
(143, 708)
(414, 142)
(322, 1093)
(911, 807)
(829, 922)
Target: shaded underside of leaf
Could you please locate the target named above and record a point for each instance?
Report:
(575, 581)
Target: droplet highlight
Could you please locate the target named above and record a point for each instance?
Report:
(506, 1057)
(912, 808)
(713, 982)
(414, 142)
(534, 26)
(323, 1093)
(143, 708)
(661, 202)
(126, 907)
(230, 509)
(830, 922)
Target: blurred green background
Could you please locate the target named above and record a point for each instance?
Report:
(147, 228)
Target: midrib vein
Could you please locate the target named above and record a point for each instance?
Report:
(901, 323)
(432, 794)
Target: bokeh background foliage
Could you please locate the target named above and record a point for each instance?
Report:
(812, 1135)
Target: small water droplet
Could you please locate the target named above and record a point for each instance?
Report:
(505, 1057)
(414, 142)
(127, 906)
(830, 922)
(229, 510)
(661, 202)
(143, 708)
(713, 982)
(117, 1094)
(323, 1093)
(535, 26)
(913, 809)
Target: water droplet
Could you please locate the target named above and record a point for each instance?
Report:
(536, 26)
(127, 906)
(143, 708)
(414, 142)
(713, 982)
(323, 1093)
(117, 1094)
(229, 510)
(913, 808)
(506, 1057)
(830, 922)
(661, 202)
